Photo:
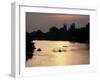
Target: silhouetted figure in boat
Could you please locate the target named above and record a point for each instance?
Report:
(59, 50)
(63, 50)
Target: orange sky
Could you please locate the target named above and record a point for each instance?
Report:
(67, 17)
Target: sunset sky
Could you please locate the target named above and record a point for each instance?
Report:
(44, 21)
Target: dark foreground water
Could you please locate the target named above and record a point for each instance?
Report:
(59, 53)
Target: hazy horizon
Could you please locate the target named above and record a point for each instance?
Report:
(44, 21)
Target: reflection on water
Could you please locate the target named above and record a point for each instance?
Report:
(58, 53)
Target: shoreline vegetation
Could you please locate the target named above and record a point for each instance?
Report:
(73, 34)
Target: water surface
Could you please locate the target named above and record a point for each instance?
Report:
(58, 53)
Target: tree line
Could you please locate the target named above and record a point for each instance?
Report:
(63, 34)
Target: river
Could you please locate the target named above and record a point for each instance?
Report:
(59, 53)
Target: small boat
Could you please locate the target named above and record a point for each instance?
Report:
(59, 50)
(64, 50)
(54, 50)
(39, 49)
(65, 46)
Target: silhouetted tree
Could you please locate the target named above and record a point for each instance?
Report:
(65, 27)
(53, 29)
(72, 27)
(53, 33)
(29, 46)
(71, 32)
(63, 32)
(37, 35)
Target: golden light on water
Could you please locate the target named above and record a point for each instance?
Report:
(59, 53)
